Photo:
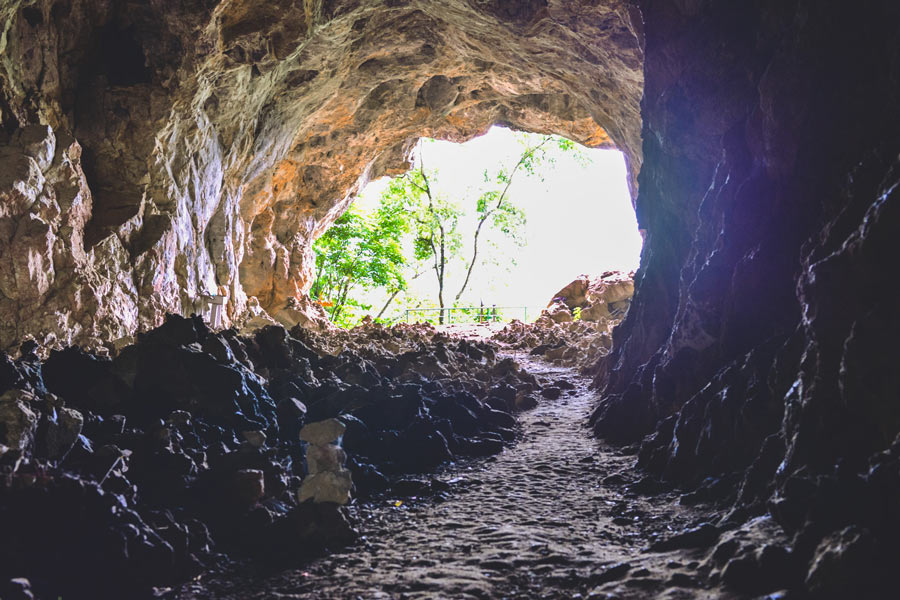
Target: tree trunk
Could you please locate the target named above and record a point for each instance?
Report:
(441, 279)
(528, 153)
(474, 257)
(386, 304)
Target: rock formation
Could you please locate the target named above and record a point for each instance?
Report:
(327, 479)
(152, 152)
(213, 141)
(594, 298)
(576, 327)
(191, 442)
(755, 363)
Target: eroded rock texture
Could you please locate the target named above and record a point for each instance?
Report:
(219, 138)
(759, 347)
(576, 327)
(121, 474)
(202, 144)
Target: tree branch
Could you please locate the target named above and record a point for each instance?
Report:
(527, 154)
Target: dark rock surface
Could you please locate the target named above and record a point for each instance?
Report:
(532, 522)
(138, 471)
(543, 519)
(756, 366)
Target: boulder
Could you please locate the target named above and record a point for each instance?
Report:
(558, 312)
(18, 419)
(63, 426)
(328, 486)
(246, 487)
(255, 438)
(320, 526)
(322, 432)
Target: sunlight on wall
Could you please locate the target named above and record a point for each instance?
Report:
(580, 219)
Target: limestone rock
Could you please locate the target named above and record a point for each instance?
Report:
(600, 303)
(595, 298)
(53, 286)
(221, 141)
(255, 318)
(18, 419)
(327, 486)
(325, 458)
(323, 432)
(558, 313)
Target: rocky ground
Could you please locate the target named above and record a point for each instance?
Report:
(556, 515)
(572, 343)
(124, 473)
(575, 329)
(174, 468)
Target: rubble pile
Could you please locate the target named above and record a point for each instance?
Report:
(135, 471)
(592, 298)
(576, 327)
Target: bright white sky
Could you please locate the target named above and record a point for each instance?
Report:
(580, 220)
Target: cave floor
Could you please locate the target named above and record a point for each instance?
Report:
(535, 521)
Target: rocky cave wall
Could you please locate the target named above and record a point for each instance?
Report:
(759, 354)
(153, 151)
(156, 151)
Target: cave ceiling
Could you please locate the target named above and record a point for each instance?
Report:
(216, 140)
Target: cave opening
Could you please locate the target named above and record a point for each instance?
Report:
(742, 409)
(568, 213)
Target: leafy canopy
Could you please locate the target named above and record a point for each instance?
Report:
(359, 252)
(416, 229)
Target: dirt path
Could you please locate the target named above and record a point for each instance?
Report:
(535, 521)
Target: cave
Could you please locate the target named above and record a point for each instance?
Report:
(743, 423)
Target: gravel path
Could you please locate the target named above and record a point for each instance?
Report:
(536, 521)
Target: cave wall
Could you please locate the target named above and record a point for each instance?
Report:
(211, 142)
(758, 355)
(153, 151)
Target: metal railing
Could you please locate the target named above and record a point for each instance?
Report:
(469, 314)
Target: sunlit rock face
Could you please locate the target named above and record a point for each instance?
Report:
(218, 139)
(51, 283)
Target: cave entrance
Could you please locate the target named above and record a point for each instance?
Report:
(533, 225)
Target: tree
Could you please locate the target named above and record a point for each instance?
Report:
(416, 230)
(434, 221)
(358, 252)
(494, 206)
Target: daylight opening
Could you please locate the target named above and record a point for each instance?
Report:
(491, 228)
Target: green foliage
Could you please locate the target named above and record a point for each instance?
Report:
(430, 216)
(576, 313)
(416, 229)
(359, 252)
